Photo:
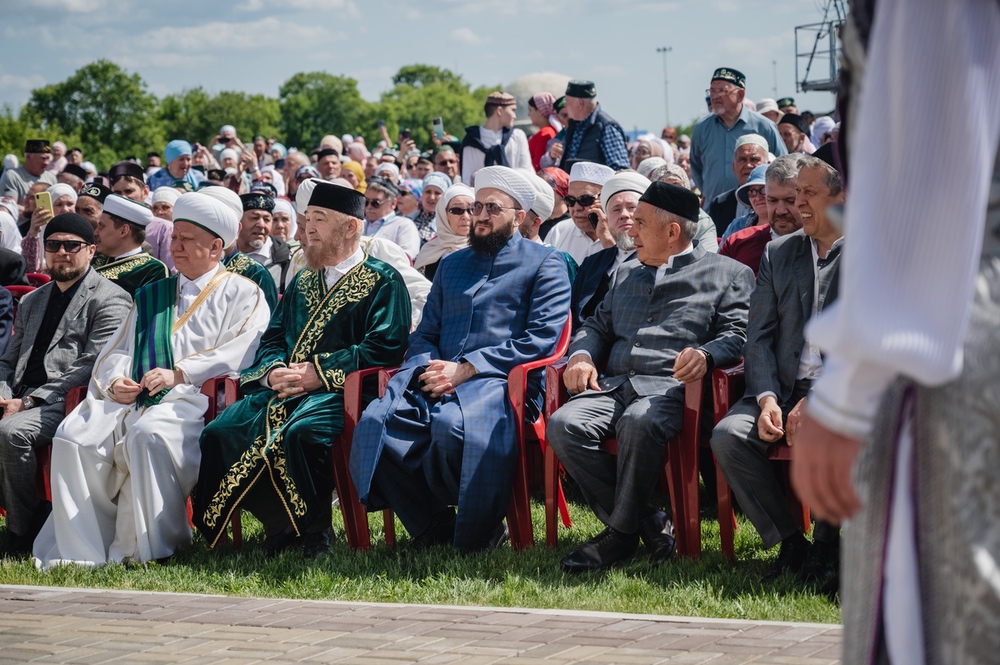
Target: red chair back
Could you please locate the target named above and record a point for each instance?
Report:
(37, 279)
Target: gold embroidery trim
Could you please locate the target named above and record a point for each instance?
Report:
(116, 269)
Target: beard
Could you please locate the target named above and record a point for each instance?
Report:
(624, 241)
(320, 254)
(66, 273)
(492, 242)
(256, 244)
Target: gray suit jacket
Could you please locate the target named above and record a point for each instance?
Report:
(94, 313)
(640, 327)
(780, 307)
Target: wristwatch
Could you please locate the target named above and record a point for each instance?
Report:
(29, 402)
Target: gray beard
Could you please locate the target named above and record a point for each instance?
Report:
(624, 242)
(257, 244)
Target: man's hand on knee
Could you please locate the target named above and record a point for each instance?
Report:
(11, 406)
(442, 377)
(690, 365)
(769, 424)
(580, 374)
(297, 379)
(124, 391)
(158, 380)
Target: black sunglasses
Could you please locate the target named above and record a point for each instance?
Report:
(458, 212)
(586, 200)
(71, 246)
(373, 203)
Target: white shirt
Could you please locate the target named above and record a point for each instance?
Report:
(262, 255)
(188, 289)
(400, 230)
(662, 270)
(332, 274)
(131, 252)
(568, 237)
(516, 151)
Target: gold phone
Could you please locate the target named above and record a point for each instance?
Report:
(44, 200)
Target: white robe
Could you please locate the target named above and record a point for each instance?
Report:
(121, 476)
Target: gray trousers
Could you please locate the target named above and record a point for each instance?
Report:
(617, 487)
(742, 456)
(20, 435)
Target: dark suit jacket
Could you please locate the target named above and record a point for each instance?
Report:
(591, 284)
(6, 319)
(780, 307)
(12, 268)
(722, 210)
(641, 326)
(95, 312)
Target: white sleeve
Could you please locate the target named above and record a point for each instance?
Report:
(520, 155)
(914, 235)
(115, 361)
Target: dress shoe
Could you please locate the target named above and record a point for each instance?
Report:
(792, 556)
(603, 551)
(279, 542)
(822, 567)
(438, 533)
(657, 532)
(316, 544)
(498, 537)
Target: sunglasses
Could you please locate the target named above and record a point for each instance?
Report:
(492, 209)
(458, 212)
(373, 203)
(71, 246)
(586, 200)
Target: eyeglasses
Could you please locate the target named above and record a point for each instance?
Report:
(586, 200)
(718, 92)
(374, 203)
(755, 192)
(492, 209)
(71, 246)
(458, 212)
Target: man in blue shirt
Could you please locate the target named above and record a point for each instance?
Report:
(713, 140)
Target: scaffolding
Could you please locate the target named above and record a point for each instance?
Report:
(817, 50)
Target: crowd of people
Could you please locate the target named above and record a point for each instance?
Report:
(291, 268)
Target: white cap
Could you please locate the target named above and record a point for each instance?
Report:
(228, 130)
(509, 181)
(626, 181)
(211, 214)
(545, 198)
(165, 194)
(127, 209)
(751, 139)
(591, 172)
(224, 195)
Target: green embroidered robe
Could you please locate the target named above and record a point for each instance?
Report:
(266, 452)
(241, 264)
(133, 272)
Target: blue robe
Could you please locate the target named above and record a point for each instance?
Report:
(495, 312)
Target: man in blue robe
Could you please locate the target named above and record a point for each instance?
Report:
(444, 435)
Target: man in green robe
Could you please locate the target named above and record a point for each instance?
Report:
(269, 453)
(120, 233)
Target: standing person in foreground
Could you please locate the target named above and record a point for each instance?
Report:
(444, 434)
(910, 346)
(126, 459)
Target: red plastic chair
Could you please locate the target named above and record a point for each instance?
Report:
(37, 279)
(728, 386)
(680, 465)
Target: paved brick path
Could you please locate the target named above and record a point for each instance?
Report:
(57, 625)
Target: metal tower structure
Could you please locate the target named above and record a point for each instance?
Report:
(817, 49)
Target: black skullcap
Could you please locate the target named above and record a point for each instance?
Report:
(827, 152)
(215, 174)
(338, 198)
(326, 152)
(785, 102)
(560, 103)
(126, 169)
(264, 187)
(734, 76)
(681, 201)
(796, 121)
(257, 201)
(581, 89)
(76, 170)
(37, 145)
(95, 190)
(384, 183)
(70, 222)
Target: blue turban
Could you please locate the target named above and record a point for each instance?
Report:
(175, 149)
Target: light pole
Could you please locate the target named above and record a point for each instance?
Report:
(666, 86)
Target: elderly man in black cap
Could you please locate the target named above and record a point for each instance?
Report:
(119, 235)
(270, 452)
(713, 140)
(496, 142)
(592, 135)
(255, 239)
(669, 317)
(795, 133)
(328, 163)
(15, 182)
(59, 331)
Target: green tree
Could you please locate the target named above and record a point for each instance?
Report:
(195, 115)
(110, 110)
(315, 104)
(14, 131)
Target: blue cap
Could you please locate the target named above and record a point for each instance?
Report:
(756, 178)
(175, 149)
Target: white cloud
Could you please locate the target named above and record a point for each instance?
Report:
(466, 36)
(75, 6)
(220, 37)
(347, 7)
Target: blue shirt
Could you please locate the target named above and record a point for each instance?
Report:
(713, 145)
(740, 223)
(162, 178)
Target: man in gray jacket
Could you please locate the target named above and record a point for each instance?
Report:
(58, 332)
(669, 317)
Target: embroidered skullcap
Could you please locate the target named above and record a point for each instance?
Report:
(95, 190)
(264, 187)
(60, 190)
(326, 152)
(766, 104)
(649, 165)
(785, 102)
(672, 198)
(37, 145)
(545, 198)
(257, 201)
(210, 213)
(226, 196)
(501, 99)
(796, 121)
(129, 210)
(591, 172)
(731, 75)
(751, 139)
(437, 179)
(165, 194)
(70, 222)
(626, 181)
(126, 170)
(509, 181)
(581, 89)
(338, 198)
(175, 149)
(560, 180)
(78, 171)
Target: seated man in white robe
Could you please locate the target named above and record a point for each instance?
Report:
(125, 460)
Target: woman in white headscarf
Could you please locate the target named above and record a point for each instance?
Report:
(454, 218)
(271, 175)
(159, 230)
(284, 224)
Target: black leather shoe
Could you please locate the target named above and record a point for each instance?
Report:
(657, 532)
(794, 550)
(605, 550)
(439, 533)
(279, 542)
(822, 567)
(317, 544)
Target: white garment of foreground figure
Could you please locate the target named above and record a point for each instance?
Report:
(120, 475)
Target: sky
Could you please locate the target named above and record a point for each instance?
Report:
(255, 45)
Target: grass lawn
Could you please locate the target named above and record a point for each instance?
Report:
(710, 587)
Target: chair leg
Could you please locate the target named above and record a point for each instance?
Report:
(727, 518)
(389, 528)
(553, 495)
(355, 515)
(519, 510)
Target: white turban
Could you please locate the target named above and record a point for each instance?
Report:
(751, 139)
(649, 165)
(388, 166)
(60, 190)
(211, 214)
(591, 172)
(545, 198)
(285, 206)
(127, 209)
(509, 181)
(626, 181)
(165, 194)
(223, 195)
(229, 153)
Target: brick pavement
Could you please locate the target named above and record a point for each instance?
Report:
(62, 625)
